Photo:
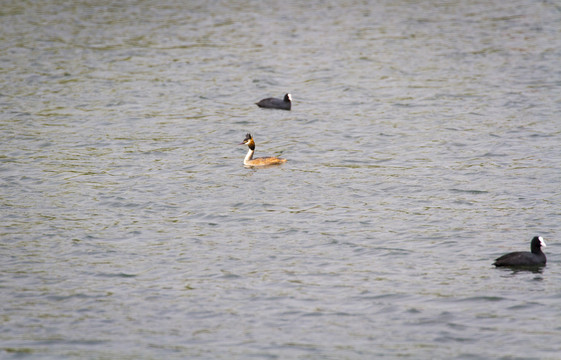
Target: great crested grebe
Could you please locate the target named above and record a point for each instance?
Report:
(262, 161)
(274, 103)
(525, 258)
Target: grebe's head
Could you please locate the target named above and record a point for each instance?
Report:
(248, 141)
(287, 97)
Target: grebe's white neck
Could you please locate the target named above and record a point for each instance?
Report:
(248, 156)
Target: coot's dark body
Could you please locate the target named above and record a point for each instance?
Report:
(274, 103)
(525, 258)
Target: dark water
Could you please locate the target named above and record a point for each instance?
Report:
(424, 142)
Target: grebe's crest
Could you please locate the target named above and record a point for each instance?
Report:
(248, 141)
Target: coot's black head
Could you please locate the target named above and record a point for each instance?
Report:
(537, 243)
(287, 97)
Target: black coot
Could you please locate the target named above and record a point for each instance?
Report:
(274, 103)
(525, 258)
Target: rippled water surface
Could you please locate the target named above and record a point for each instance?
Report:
(423, 142)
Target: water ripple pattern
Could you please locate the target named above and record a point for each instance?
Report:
(423, 142)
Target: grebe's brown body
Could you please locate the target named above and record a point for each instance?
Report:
(262, 161)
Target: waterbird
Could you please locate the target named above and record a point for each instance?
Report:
(262, 161)
(525, 258)
(274, 103)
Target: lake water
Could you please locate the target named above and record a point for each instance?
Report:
(424, 141)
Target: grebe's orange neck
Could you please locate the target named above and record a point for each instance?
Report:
(249, 154)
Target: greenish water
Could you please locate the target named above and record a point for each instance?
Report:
(423, 143)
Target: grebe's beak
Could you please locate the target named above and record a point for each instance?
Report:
(242, 143)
